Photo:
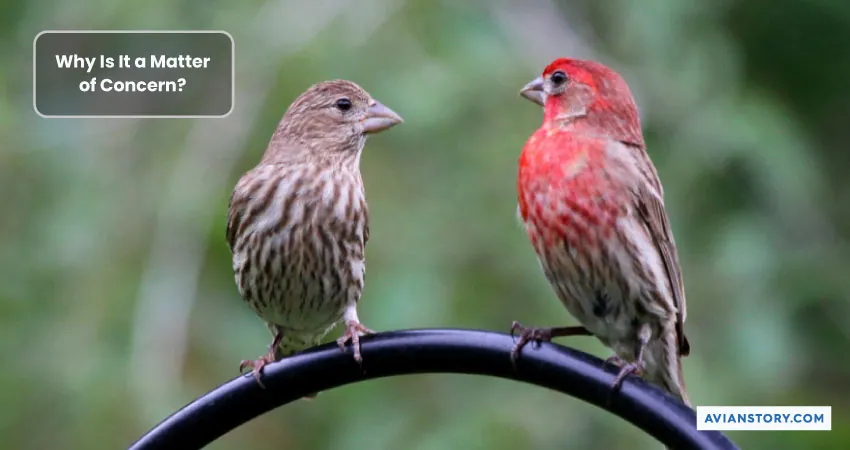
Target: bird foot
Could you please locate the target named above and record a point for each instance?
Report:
(626, 369)
(527, 334)
(635, 368)
(353, 331)
(257, 366)
(539, 335)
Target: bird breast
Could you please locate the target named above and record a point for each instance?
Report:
(303, 256)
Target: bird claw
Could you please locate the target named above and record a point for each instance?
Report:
(353, 331)
(257, 366)
(626, 369)
(526, 334)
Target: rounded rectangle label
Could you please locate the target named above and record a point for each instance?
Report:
(135, 74)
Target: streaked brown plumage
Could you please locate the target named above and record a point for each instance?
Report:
(593, 207)
(298, 223)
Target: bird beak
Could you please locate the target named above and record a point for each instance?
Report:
(534, 91)
(379, 118)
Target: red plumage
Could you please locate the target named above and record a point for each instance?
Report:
(593, 208)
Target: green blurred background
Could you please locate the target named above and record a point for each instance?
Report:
(117, 300)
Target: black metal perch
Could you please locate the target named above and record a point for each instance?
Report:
(432, 351)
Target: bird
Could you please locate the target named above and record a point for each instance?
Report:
(592, 205)
(298, 222)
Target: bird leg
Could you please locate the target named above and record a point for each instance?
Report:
(538, 335)
(258, 364)
(353, 330)
(631, 368)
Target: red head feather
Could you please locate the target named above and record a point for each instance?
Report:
(597, 97)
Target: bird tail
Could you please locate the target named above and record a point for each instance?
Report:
(676, 386)
(665, 369)
(671, 377)
(291, 344)
(676, 382)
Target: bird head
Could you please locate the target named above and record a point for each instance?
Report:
(332, 117)
(586, 96)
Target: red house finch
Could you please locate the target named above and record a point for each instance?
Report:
(593, 208)
(297, 224)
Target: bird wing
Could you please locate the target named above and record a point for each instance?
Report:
(234, 217)
(650, 207)
(365, 213)
(236, 208)
(242, 209)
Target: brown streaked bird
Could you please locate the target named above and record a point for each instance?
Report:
(298, 223)
(593, 207)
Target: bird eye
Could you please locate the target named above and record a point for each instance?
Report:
(343, 104)
(558, 78)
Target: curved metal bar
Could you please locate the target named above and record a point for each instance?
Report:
(431, 351)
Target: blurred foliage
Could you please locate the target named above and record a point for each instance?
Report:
(116, 291)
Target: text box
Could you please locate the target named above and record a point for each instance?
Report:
(133, 73)
(767, 418)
